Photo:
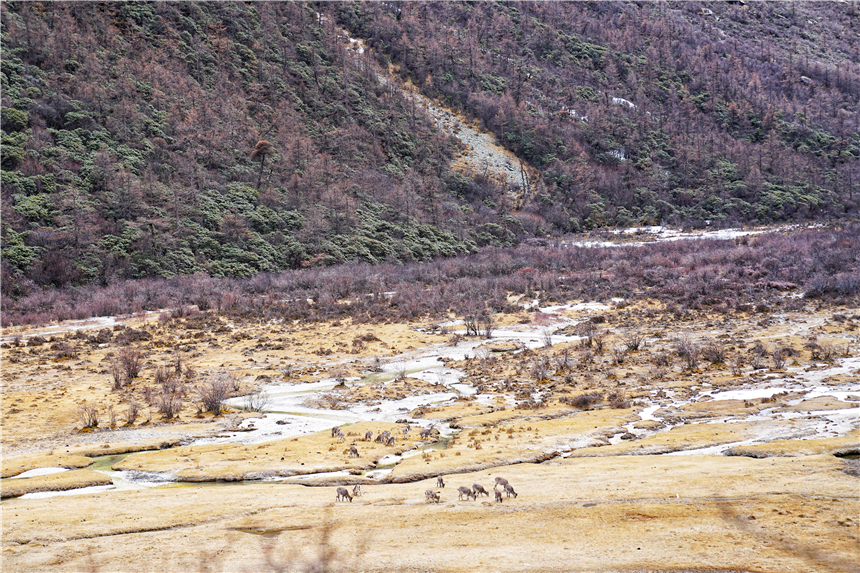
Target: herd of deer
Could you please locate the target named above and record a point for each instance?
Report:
(382, 437)
(431, 496)
(473, 492)
(343, 493)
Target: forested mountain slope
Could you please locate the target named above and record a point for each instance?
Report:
(165, 138)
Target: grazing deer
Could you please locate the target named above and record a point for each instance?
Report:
(391, 441)
(342, 495)
(356, 491)
(341, 437)
(431, 496)
(498, 495)
(509, 489)
(383, 437)
(464, 490)
(479, 489)
(426, 432)
(440, 482)
(368, 436)
(353, 451)
(334, 431)
(405, 432)
(501, 481)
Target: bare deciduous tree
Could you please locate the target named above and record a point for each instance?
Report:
(261, 150)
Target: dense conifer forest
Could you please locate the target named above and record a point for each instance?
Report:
(158, 139)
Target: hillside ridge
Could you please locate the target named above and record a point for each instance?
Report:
(166, 139)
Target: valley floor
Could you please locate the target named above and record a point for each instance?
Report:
(624, 456)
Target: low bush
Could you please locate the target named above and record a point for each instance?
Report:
(689, 351)
(212, 393)
(169, 404)
(257, 402)
(131, 360)
(714, 352)
(118, 375)
(133, 411)
(583, 401)
(89, 416)
(632, 341)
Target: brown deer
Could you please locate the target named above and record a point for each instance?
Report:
(342, 495)
(478, 489)
(501, 481)
(431, 496)
(465, 490)
(509, 489)
(356, 491)
(498, 495)
(368, 436)
(426, 432)
(440, 482)
(353, 451)
(383, 437)
(334, 431)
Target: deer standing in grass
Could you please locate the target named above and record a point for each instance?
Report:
(426, 432)
(353, 451)
(431, 496)
(383, 437)
(478, 489)
(356, 491)
(338, 434)
(342, 495)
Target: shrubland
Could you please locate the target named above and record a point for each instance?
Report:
(749, 274)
